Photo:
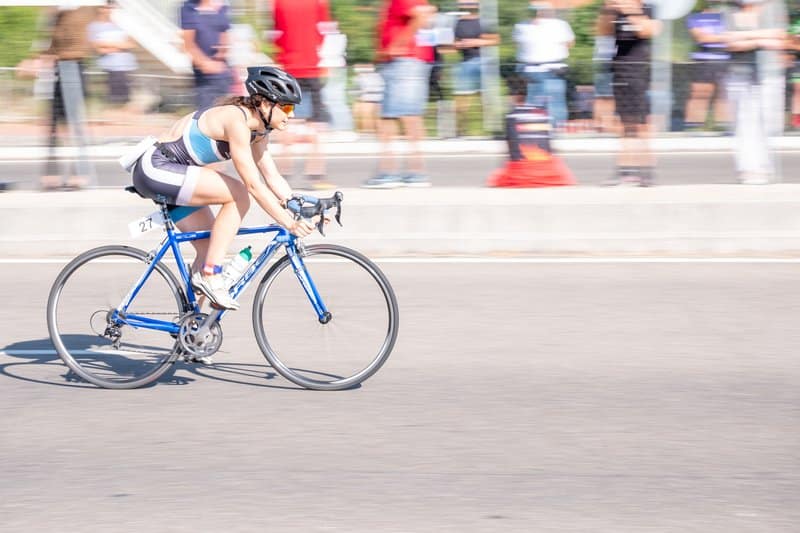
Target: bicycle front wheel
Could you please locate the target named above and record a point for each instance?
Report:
(356, 340)
(90, 329)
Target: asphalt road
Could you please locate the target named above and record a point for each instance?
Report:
(462, 169)
(608, 397)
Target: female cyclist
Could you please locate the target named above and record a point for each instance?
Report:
(174, 170)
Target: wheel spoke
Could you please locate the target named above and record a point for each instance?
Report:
(343, 352)
(79, 317)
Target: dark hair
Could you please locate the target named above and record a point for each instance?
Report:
(250, 102)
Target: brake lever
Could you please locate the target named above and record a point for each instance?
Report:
(338, 198)
(318, 208)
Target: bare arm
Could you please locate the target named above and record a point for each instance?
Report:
(419, 17)
(199, 59)
(704, 37)
(646, 27)
(275, 181)
(109, 47)
(747, 40)
(238, 135)
(486, 39)
(605, 23)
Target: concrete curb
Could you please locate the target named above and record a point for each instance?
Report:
(696, 219)
(114, 148)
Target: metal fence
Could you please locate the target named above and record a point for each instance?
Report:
(694, 104)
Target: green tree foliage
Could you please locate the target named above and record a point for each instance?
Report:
(18, 30)
(358, 19)
(583, 21)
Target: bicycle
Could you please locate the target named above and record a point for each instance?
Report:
(140, 328)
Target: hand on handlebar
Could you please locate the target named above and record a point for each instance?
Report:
(313, 209)
(301, 227)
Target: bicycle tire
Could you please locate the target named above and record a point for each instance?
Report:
(353, 266)
(62, 334)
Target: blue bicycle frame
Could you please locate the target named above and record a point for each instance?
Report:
(172, 242)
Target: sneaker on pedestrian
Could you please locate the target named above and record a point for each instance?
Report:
(383, 181)
(754, 178)
(414, 179)
(215, 288)
(647, 177)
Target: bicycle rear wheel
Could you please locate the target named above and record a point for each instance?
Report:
(95, 342)
(346, 350)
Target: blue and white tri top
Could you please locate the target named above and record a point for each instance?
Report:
(196, 148)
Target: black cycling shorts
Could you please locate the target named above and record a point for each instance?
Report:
(631, 91)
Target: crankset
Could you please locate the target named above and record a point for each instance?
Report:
(196, 340)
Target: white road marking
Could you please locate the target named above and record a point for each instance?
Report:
(485, 260)
(478, 155)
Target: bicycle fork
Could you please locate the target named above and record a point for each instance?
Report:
(323, 315)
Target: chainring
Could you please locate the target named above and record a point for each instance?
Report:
(191, 343)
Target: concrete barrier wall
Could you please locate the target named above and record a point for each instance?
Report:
(698, 219)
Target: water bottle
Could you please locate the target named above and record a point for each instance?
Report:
(236, 266)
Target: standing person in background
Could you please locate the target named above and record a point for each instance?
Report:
(299, 38)
(205, 25)
(470, 36)
(753, 30)
(605, 46)
(69, 50)
(709, 66)
(333, 58)
(113, 45)
(633, 27)
(369, 87)
(543, 45)
(793, 48)
(406, 57)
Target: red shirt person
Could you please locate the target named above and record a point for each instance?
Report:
(299, 38)
(398, 30)
(405, 49)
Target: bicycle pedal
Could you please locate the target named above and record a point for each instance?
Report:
(203, 360)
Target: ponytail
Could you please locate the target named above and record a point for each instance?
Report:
(252, 102)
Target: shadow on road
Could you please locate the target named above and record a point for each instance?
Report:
(34, 356)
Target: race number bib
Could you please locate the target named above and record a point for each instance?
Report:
(154, 220)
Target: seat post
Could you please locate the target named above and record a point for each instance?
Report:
(167, 218)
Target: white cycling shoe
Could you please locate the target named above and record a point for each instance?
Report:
(216, 289)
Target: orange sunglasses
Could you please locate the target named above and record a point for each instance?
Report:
(286, 108)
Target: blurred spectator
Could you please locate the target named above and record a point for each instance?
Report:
(406, 52)
(243, 52)
(793, 46)
(369, 94)
(332, 54)
(753, 30)
(605, 45)
(633, 26)
(470, 36)
(531, 160)
(205, 25)
(543, 45)
(439, 34)
(709, 66)
(113, 46)
(69, 50)
(298, 35)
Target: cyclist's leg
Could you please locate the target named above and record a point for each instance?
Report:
(214, 187)
(200, 220)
